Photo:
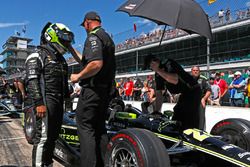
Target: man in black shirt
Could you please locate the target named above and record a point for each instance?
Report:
(171, 75)
(96, 79)
(206, 92)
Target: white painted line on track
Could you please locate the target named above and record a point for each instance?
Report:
(14, 138)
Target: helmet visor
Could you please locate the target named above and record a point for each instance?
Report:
(66, 36)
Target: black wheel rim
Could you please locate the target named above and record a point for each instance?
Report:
(29, 127)
(234, 137)
(122, 157)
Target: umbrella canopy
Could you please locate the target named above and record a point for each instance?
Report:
(183, 14)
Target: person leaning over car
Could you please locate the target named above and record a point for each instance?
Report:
(96, 79)
(172, 76)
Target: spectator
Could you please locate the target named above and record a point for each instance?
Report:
(228, 15)
(247, 89)
(248, 71)
(214, 98)
(223, 88)
(230, 76)
(151, 81)
(147, 94)
(120, 87)
(137, 89)
(248, 12)
(128, 88)
(221, 16)
(236, 90)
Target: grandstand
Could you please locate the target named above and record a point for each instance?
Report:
(229, 48)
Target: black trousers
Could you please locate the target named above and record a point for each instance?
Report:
(47, 131)
(187, 109)
(90, 116)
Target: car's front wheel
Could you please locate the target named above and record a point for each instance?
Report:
(136, 148)
(234, 131)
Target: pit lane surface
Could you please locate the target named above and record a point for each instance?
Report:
(14, 149)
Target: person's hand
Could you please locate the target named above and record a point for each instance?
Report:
(74, 78)
(203, 102)
(41, 111)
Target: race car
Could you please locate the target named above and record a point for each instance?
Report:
(147, 140)
(8, 107)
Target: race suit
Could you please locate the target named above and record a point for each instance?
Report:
(47, 85)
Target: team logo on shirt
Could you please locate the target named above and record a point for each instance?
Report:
(93, 43)
(92, 38)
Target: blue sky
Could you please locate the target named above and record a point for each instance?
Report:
(36, 13)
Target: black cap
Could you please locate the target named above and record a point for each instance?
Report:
(91, 16)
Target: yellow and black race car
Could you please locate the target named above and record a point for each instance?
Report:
(146, 140)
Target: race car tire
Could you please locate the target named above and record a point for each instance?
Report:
(234, 131)
(29, 125)
(136, 147)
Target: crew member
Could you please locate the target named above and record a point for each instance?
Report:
(96, 79)
(171, 75)
(47, 86)
(206, 92)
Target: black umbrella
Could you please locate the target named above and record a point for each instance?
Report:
(183, 14)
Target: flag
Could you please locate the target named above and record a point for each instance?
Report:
(24, 29)
(17, 33)
(211, 1)
(134, 27)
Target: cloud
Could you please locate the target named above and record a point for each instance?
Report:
(144, 21)
(248, 4)
(6, 25)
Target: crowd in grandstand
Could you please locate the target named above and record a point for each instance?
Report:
(222, 17)
(231, 88)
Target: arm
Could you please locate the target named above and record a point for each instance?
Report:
(205, 98)
(242, 84)
(157, 103)
(170, 77)
(76, 54)
(33, 72)
(90, 70)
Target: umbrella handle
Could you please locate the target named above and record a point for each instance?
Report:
(163, 34)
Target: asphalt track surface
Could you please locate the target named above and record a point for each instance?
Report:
(14, 149)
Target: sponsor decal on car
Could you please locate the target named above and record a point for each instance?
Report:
(59, 153)
(241, 155)
(228, 147)
(197, 134)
